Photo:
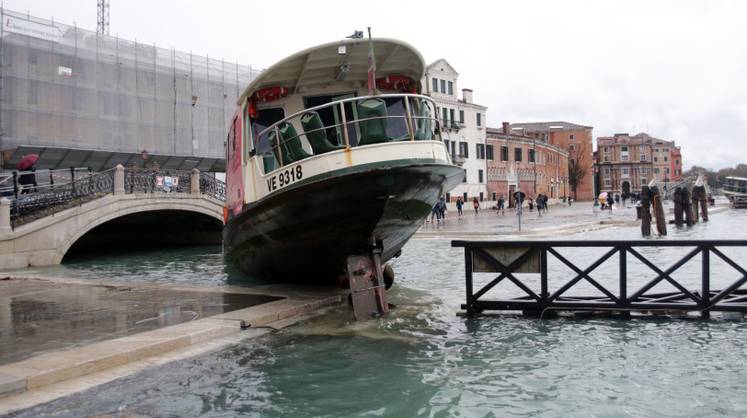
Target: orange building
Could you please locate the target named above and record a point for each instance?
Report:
(527, 163)
(576, 139)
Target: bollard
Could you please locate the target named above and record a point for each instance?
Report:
(195, 181)
(119, 184)
(5, 224)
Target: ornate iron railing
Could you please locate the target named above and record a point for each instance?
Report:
(37, 201)
(45, 192)
(213, 187)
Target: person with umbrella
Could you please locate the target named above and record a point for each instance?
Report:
(27, 180)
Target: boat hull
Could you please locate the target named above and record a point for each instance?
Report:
(306, 232)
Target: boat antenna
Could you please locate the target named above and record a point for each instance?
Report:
(371, 66)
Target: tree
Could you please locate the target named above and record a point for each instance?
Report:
(577, 171)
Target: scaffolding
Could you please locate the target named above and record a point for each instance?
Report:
(68, 91)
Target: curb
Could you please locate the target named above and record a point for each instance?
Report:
(54, 367)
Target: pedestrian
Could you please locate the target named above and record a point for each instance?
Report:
(530, 202)
(501, 205)
(442, 208)
(610, 202)
(459, 204)
(476, 204)
(435, 212)
(570, 201)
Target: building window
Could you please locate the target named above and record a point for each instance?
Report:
(656, 170)
(517, 154)
(530, 155)
(479, 119)
(451, 115)
(489, 152)
(644, 181)
(666, 149)
(479, 176)
(461, 116)
(463, 150)
(435, 84)
(625, 172)
(606, 171)
(571, 137)
(606, 149)
(572, 147)
(443, 86)
(607, 182)
(464, 180)
(676, 162)
(504, 153)
(606, 159)
(666, 171)
(446, 142)
(480, 150)
(451, 88)
(656, 159)
(445, 113)
(643, 157)
(666, 158)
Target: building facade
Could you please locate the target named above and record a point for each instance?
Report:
(463, 128)
(625, 162)
(78, 98)
(576, 139)
(525, 163)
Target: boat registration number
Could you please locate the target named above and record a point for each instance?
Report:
(285, 178)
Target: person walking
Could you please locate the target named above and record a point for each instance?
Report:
(476, 204)
(459, 204)
(442, 208)
(501, 205)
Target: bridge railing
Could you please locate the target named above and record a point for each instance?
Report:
(32, 197)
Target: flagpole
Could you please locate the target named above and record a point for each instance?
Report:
(371, 66)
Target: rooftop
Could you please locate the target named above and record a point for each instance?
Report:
(549, 126)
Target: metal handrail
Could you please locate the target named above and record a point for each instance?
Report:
(408, 117)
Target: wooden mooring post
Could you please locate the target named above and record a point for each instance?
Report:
(688, 206)
(699, 196)
(661, 220)
(678, 206)
(645, 211)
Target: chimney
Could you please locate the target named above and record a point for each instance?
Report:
(505, 128)
(467, 95)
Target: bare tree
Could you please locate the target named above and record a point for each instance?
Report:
(577, 171)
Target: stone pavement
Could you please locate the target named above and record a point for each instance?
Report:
(560, 217)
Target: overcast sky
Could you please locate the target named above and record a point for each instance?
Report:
(674, 69)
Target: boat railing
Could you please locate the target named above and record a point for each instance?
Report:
(358, 121)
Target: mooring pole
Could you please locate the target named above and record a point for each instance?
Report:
(661, 220)
(645, 211)
(678, 206)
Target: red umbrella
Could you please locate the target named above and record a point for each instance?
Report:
(27, 161)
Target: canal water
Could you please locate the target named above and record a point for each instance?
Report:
(424, 360)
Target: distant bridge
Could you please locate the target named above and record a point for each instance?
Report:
(113, 210)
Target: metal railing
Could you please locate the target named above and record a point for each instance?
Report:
(402, 124)
(532, 256)
(51, 191)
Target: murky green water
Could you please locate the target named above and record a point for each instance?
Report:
(423, 360)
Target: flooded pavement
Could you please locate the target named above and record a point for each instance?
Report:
(424, 360)
(38, 316)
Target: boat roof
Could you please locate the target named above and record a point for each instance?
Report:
(736, 178)
(320, 65)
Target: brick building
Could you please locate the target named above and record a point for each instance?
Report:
(522, 162)
(625, 162)
(575, 139)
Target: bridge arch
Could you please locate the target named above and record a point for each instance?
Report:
(166, 221)
(46, 241)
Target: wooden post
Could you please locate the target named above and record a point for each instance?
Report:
(699, 195)
(678, 206)
(695, 208)
(688, 206)
(661, 221)
(645, 211)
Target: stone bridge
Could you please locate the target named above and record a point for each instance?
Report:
(133, 214)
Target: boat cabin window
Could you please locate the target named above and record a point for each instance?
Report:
(332, 117)
(265, 117)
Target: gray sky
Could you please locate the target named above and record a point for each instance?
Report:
(674, 69)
